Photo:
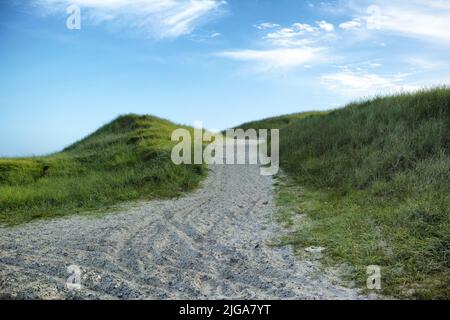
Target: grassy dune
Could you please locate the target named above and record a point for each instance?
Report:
(374, 181)
(124, 160)
(278, 122)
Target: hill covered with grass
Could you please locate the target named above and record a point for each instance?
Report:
(278, 122)
(126, 159)
(374, 181)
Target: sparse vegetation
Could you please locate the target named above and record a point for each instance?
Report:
(373, 179)
(124, 160)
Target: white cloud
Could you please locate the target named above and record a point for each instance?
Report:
(297, 35)
(375, 65)
(304, 27)
(276, 59)
(357, 84)
(355, 23)
(417, 24)
(288, 37)
(159, 18)
(285, 48)
(267, 25)
(328, 27)
(426, 20)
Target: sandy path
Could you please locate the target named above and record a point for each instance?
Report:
(209, 244)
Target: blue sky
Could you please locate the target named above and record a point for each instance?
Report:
(220, 62)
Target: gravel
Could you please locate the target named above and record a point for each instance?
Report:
(209, 244)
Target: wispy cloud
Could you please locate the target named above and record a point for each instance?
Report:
(276, 59)
(267, 25)
(296, 35)
(362, 83)
(426, 20)
(352, 24)
(285, 48)
(159, 18)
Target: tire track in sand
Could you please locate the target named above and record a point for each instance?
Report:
(211, 243)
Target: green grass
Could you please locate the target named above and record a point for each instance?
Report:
(278, 122)
(125, 160)
(374, 181)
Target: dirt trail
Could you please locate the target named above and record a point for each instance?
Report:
(209, 244)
